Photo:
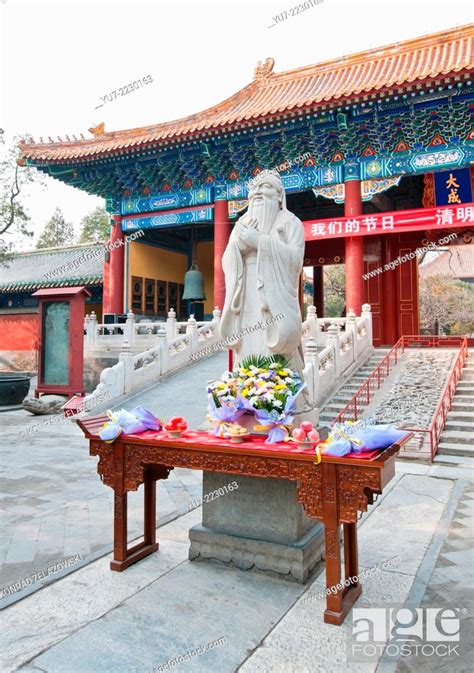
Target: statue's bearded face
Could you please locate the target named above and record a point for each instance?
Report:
(264, 202)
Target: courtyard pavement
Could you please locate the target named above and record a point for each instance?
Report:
(85, 619)
(97, 621)
(53, 504)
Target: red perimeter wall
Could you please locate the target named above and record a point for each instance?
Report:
(18, 337)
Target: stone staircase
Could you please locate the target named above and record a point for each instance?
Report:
(456, 445)
(339, 400)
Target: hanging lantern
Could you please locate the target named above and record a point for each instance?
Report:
(194, 284)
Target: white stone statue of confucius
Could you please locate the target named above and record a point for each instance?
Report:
(262, 264)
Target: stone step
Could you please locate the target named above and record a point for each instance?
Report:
(465, 385)
(463, 406)
(455, 449)
(456, 415)
(464, 399)
(455, 459)
(458, 437)
(326, 419)
(461, 426)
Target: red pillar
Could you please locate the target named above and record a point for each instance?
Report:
(221, 238)
(318, 290)
(390, 302)
(114, 270)
(354, 250)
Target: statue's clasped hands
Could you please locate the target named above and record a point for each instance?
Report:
(248, 234)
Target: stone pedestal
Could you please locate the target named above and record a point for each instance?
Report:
(259, 525)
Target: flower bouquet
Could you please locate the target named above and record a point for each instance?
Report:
(263, 386)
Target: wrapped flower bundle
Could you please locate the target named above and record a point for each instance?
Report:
(264, 386)
(350, 437)
(128, 422)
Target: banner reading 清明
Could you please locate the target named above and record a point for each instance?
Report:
(390, 222)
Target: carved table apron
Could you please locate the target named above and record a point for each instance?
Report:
(335, 492)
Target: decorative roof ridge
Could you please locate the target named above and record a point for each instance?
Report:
(149, 130)
(411, 44)
(272, 98)
(64, 248)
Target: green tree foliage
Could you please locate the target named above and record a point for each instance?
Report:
(95, 227)
(334, 290)
(14, 218)
(57, 232)
(449, 301)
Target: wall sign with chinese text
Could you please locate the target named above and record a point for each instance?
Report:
(453, 187)
(390, 222)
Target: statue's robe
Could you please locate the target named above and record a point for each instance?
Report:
(261, 285)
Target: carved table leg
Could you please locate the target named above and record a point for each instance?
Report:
(340, 599)
(351, 560)
(123, 557)
(120, 531)
(150, 509)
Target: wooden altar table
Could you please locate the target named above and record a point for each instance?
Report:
(335, 491)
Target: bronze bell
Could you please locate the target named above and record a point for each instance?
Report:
(194, 284)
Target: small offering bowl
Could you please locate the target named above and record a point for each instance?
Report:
(238, 439)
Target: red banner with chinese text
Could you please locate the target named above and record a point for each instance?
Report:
(391, 222)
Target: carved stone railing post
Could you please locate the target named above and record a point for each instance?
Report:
(216, 315)
(171, 331)
(129, 330)
(164, 350)
(333, 340)
(93, 330)
(367, 313)
(312, 364)
(87, 334)
(191, 329)
(351, 326)
(126, 357)
(312, 321)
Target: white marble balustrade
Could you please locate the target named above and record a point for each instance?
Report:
(329, 352)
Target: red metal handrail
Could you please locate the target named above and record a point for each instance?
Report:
(438, 422)
(373, 382)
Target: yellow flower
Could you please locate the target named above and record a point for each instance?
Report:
(221, 385)
(280, 386)
(245, 392)
(283, 372)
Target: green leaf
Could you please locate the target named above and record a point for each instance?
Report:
(265, 361)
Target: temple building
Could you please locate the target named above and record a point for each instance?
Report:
(22, 274)
(374, 150)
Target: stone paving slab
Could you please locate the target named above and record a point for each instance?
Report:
(165, 606)
(52, 502)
